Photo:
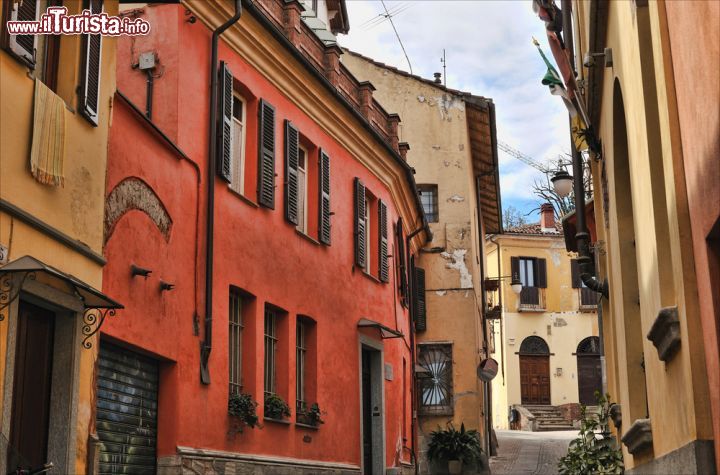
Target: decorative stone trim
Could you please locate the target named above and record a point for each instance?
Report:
(287, 17)
(191, 460)
(134, 194)
(665, 333)
(639, 436)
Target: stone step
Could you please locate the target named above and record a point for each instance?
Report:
(554, 428)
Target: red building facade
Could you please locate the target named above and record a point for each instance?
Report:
(310, 299)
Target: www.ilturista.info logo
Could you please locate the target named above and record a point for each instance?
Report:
(56, 21)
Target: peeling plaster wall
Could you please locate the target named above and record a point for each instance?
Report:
(434, 123)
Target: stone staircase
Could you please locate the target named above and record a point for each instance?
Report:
(548, 418)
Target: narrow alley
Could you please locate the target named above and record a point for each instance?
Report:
(529, 453)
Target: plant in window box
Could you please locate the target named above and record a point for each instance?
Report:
(311, 417)
(242, 408)
(457, 448)
(276, 407)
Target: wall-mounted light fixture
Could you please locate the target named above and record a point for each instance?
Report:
(589, 58)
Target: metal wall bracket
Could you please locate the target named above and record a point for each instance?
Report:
(10, 287)
(93, 319)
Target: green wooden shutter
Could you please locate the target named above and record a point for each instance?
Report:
(575, 274)
(514, 267)
(24, 46)
(292, 147)
(360, 251)
(541, 273)
(92, 60)
(266, 155)
(383, 267)
(324, 207)
(224, 149)
(419, 299)
(403, 265)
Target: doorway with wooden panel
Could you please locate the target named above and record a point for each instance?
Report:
(534, 358)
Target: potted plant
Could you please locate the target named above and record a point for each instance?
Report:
(595, 450)
(276, 407)
(455, 447)
(311, 417)
(242, 408)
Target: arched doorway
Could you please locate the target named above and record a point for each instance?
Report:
(534, 371)
(589, 370)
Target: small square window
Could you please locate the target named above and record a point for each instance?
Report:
(429, 200)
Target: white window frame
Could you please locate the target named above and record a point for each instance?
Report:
(302, 177)
(237, 183)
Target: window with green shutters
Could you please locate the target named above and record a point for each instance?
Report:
(266, 155)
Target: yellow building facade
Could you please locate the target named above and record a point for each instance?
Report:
(652, 321)
(546, 338)
(450, 141)
(55, 107)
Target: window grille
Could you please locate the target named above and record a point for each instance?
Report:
(436, 381)
(429, 200)
(270, 350)
(235, 344)
(301, 353)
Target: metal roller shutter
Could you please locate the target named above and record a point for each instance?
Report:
(126, 411)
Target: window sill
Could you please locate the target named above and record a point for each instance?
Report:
(277, 421)
(306, 426)
(588, 308)
(243, 198)
(436, 413)
(307, 237)
(371, 277)
(532, 308)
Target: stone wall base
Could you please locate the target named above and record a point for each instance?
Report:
(695, 458)
(189, 461)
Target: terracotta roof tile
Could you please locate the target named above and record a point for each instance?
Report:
(534, 229)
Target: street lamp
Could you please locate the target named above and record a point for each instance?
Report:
(516, 285)
(562, 183)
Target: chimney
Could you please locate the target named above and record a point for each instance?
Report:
(547, 218)
(438, 77)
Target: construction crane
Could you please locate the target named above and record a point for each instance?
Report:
(522, 157)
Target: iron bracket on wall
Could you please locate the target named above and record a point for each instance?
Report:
(10, 288)
(93, 319)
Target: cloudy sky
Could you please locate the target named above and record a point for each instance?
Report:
(489, 52)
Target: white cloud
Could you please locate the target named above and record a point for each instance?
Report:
(489, 53)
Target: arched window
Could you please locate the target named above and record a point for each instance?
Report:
(534, 345)
(590, 345)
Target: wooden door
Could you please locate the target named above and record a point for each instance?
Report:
(535, 379)
(32, 387)
(589, 378)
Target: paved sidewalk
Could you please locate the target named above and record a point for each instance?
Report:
(529, 453)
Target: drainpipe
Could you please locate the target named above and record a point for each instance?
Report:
(413, 402)
(585, 261)
(206, 344)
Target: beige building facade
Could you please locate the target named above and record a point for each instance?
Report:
(546, 338)
(656, 216)
(450, 137)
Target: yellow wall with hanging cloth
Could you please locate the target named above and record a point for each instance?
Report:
(52, 169)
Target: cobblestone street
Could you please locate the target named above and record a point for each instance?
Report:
(529, 453)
